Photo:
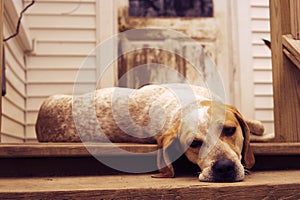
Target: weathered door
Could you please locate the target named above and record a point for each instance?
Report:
(212, 32)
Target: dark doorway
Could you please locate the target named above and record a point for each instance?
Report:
(171, 8)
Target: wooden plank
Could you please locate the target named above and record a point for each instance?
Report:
(30, 131)
(259, 3)
(292, 45)
(276, 148)
(33, 105)
(8, 138)
(13, 45)
(15, 97)
(63, 1)
(54, 48)
(79, 149)
(295, 16)
(263, 89)
(14, 65)
(64, 21)
(106, 17)
(15, 82)
(45, 89)
(292, 58)
(70, 149)
(261, 25)
(1, 48)
(286, 77)
(260, 12)
(64, 8)
(262, 76)
(13, 111)
(12, 127)
(292, 50)
(63, 34)
(60, 62)
(60, 76)
(259, 185)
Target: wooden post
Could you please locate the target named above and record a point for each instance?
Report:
(286, 77)
(106, 17)
(295, 18)
(1, 45)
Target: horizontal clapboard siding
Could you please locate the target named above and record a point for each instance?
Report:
(262, 65)
(65, 7)
(13, 104)
(64, 34)
(59, 62)
(61, 21)
(60, 76)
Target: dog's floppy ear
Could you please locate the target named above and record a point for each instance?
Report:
(247, 155)
(164, 163)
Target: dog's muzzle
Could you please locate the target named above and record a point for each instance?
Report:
(224, 170)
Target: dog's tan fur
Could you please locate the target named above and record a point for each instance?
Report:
(161, 114)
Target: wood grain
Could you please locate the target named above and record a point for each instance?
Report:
(295, 16)
(282, 149)
(259, 185)
(70, 149)
(292, 50)
(43, 160)
(80, 150)
(1, 49)
(286, 77)
(292, 58)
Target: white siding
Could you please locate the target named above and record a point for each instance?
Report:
(64, 32)
(262, 67)
(13, 108)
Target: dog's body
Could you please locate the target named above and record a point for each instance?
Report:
(159, 114)
(120, 113)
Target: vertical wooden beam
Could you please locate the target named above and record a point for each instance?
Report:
(286, 77)
(106, 17)
(1, 48)
(295, 18)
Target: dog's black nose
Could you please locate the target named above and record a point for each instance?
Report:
(224, 170)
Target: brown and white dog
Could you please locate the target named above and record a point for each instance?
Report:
(212, 135)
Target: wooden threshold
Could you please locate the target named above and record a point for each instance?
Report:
(80, 150)
(258, 185)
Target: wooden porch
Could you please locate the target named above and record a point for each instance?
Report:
(68, 171)
(260, 185)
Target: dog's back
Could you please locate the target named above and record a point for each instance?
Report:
(122, 114)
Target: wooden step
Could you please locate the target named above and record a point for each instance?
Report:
(73, 159)
(259, 185)
(23, 150)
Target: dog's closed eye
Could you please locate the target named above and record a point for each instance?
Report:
(228, 130)
(196, 143)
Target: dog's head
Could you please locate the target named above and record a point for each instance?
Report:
(219, 144)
